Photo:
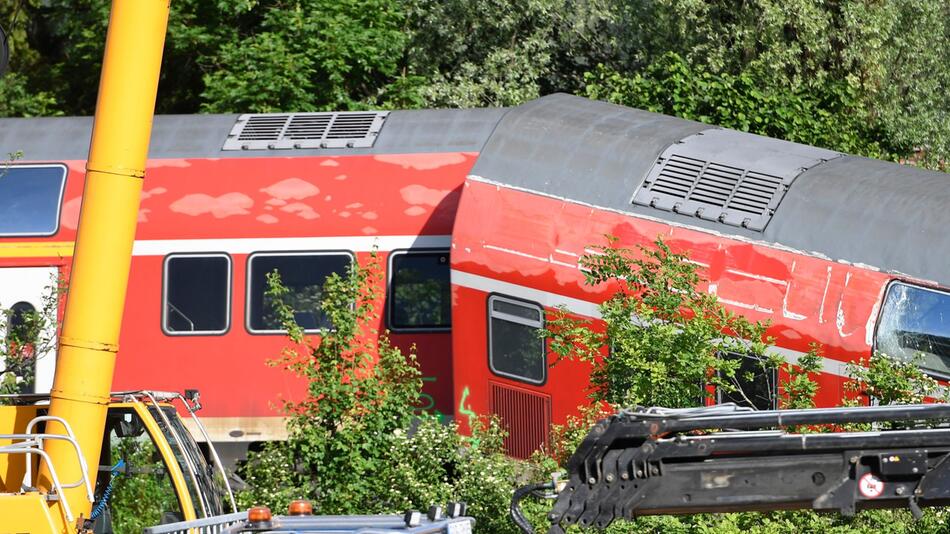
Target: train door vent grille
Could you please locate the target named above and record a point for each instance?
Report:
(525, 415)
(277, 131)
(731, 177)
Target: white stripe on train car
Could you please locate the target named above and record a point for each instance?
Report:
(590, 309)
(362, 243)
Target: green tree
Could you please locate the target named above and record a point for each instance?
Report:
(878, 58)
(357, 443)
(18, 97)
(829, 114)
(480, 53)
(884, 380)
(57, 46)
(309, 55)
(859, 76)
(664, 336)
(142, 494)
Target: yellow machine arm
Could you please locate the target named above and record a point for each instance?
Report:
(100, 268)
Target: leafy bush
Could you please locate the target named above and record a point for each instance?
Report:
(827, 113)
(888, 381)
(356, 443)
(356, 446)
(664, 336)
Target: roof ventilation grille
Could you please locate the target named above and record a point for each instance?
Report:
(277, 131)
(263, 127)
(731, 177)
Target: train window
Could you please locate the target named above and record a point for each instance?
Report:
(915, 323)
(419, 290)
(756, 385)
(197, 294)
(30, 198)
(304, 275)
(515, 349)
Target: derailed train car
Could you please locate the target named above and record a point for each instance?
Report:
(843, 251)
(490, 211)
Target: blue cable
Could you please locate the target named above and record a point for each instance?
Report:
(101, 507)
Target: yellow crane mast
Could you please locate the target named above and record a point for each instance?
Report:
(114, 172)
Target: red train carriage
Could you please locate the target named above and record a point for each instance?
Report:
(844, 251)
(228, 199)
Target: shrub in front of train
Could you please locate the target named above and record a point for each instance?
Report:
(357, 442)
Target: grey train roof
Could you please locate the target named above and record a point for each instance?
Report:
(203, 136)
(889, 216)
(885, 215)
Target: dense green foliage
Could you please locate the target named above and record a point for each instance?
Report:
(888, 381)
(357, 443)
(664, 334)
(142, 498)
(854, 75)
(829, 114)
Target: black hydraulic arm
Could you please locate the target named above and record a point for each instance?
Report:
(729, 459)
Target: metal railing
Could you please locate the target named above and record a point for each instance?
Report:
(30, 443)
(208, 525)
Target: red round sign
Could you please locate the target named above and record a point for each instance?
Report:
(870, 486)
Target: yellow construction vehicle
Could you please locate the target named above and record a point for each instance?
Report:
(61, 455)
(146, 451)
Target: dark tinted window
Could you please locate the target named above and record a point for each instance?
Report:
(304, 275)
(916, 322)
(30, 197)
(197, 294)
(515, 349)
(419, 295)
(755, 384)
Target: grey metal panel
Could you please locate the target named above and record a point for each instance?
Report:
(732, 177)
(893, 217)
(47, 138)
(202, 136)
(444, 130)
(580, 149)
(764, 154)
(190, 136)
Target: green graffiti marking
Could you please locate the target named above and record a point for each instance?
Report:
(464, 410)
(428, 400)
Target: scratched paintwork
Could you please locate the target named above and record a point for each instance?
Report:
(535, 241)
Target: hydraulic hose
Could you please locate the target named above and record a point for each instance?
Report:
(515, 509)
(104, 501)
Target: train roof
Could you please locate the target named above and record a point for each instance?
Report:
(884, 215)
(205, 136)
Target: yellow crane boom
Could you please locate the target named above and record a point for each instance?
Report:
(114, 173)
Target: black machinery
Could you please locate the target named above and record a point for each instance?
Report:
(730, 459)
